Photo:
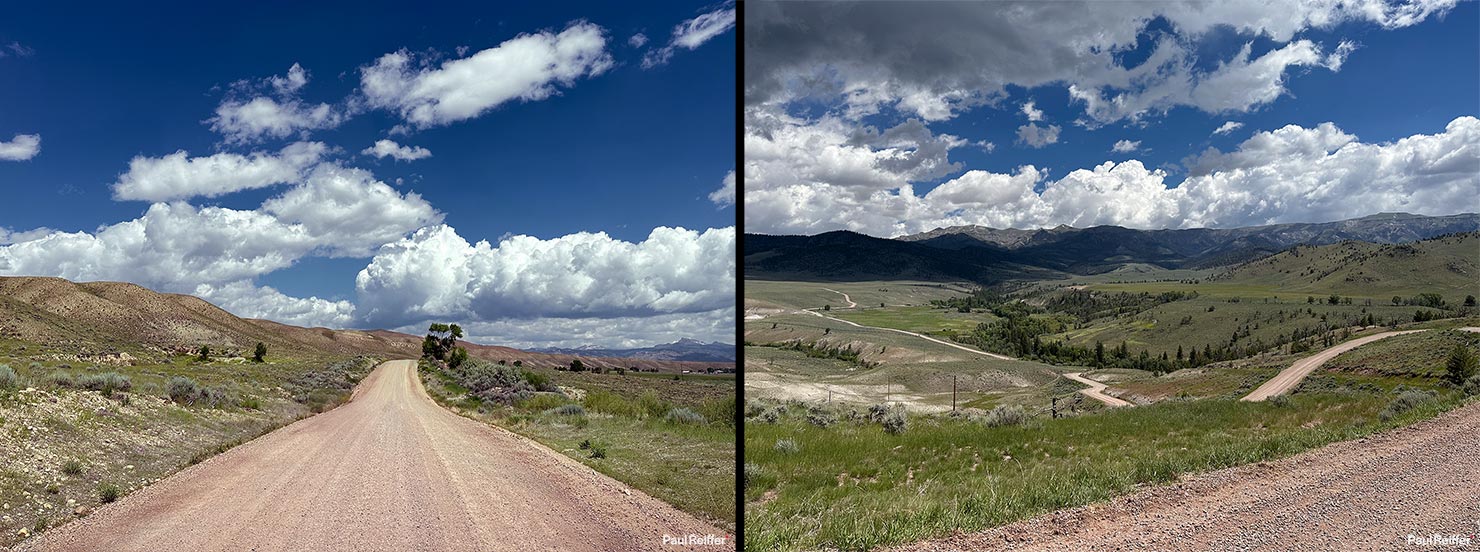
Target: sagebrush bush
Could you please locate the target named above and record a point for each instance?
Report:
(896, 422)
(786, 446)
(876, 413)
(1280, 400)
(8, 378)
(1407, 400)
(682, 415)
(105, 383)
(752, 471)
(821, 417)
(1005, 415)
(567, 410)
(771, 415)
(1472, 386)
(184, 390)
(72, 467)
(61, 379)
(754, 408)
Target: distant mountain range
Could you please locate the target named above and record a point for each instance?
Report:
(685, 349)
(981, 254)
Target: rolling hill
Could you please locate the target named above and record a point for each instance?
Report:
(684, 349)
(1449, 265)
(108, 318)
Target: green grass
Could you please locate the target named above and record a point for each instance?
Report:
(919, 319)
(625, 434)
(816, 294)
(852, 486)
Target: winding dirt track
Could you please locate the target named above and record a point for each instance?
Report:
(391, 470)
(1097, 390)
(1290, 377)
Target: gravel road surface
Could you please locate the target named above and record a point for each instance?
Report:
(391, 470)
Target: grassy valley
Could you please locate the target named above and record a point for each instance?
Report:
(881, 461)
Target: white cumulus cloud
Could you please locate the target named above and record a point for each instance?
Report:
(529, 67)
(389, 148)
(243, 118)
(20, 148)
(435, 272)
(1228, 127)
(179, 176)
(1292, 174)
(725, 195)
(1032, 113)
(1038, 136)
(1124, 146)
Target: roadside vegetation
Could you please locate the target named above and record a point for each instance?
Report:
(76, 435)
(849, 478)
(673, 438)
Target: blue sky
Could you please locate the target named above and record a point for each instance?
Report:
(557, 124)
(1333, 113)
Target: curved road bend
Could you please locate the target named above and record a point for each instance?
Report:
(391, 470)
(1290, 377)
(1097, 390)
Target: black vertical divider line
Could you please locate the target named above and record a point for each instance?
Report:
(739, 275)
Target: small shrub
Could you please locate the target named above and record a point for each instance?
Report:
(1005, 415)
(53, 489)
(567, 410)
(752, 472)
(184, 390)
(586, 444)
(61, 380)
(598, 450)
(107, 492)
(1407, 400)
(896, 422)
(1472, 386)
(771, 415)
(72, 467)
(786, 446)
(876, 413)
(8, 378)
(39, 526)
(251, 403)
(682, 415)
(105, 383)
(821, 417)
(540, 382)
(1280, 400)
(754, 408)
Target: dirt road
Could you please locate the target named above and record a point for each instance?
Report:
(1288, 378)
(1096, 390)
(1367, 494)
(851, 304)
(391, 470)
(921, 336)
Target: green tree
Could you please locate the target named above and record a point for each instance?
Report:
(1397, 300)
(457, 357)
(1469, 300)
(1462, 365)
(1099, 354)
(1334, 299)
(205, 353)
(577, 366)
(260, 352)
